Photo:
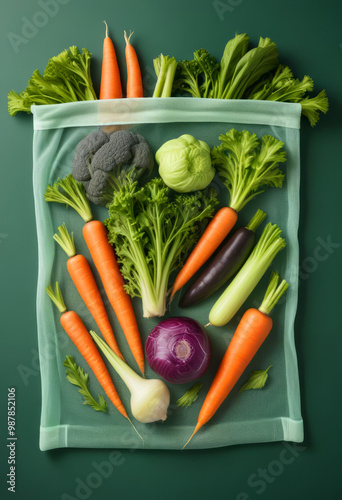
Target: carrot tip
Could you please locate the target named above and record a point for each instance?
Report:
(170, 295)
(192, 435)
(173, 292)
(106, 29)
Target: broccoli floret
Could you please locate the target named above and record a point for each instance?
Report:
(84, 152)
(97, 185)
(116, 151)
(102, 162)
(187, 77)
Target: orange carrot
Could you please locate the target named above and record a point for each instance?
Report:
(84, 281)
(79, 335)
(215, 232)
(252, 330)
(110, 87)
(134, 80)
(102, 253)
(71, 193)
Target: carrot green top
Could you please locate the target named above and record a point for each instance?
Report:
(246, 163)
(273, 293)
(56, 297)
(72, 194)
(65, 240)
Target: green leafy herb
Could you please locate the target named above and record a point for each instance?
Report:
(240, 68)
(245, 163)
(197, 77)
(282, 86)
(78, 377)
(243, 73)
(257, 380)
(312, 106)
(152, 234)
(190, 396)
(66, 79)
(234, 50)
(250, 68)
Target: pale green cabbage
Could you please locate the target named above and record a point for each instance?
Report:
(185, 164)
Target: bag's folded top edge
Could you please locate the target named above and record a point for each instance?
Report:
(165, 110)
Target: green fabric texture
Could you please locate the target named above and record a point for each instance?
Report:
(270, 414)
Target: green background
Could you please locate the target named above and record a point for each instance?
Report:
(309, 38)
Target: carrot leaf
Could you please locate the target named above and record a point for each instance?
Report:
(65, 240)
(190, 396)
(245, 163)
(257, 380)
(71, 193)
(78, 377)
(56, 297)
(273, 293)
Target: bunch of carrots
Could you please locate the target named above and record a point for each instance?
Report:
(71, 193)
(110, 76)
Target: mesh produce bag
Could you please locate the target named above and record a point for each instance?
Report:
(270, 414)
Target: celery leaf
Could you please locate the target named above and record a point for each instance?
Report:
(257, 380)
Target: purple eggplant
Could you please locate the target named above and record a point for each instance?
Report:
(225, 264)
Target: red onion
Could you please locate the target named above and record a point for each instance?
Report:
(178, 349)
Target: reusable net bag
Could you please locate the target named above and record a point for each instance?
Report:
(270, 414)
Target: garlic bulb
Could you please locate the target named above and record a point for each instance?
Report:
(150, 398)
